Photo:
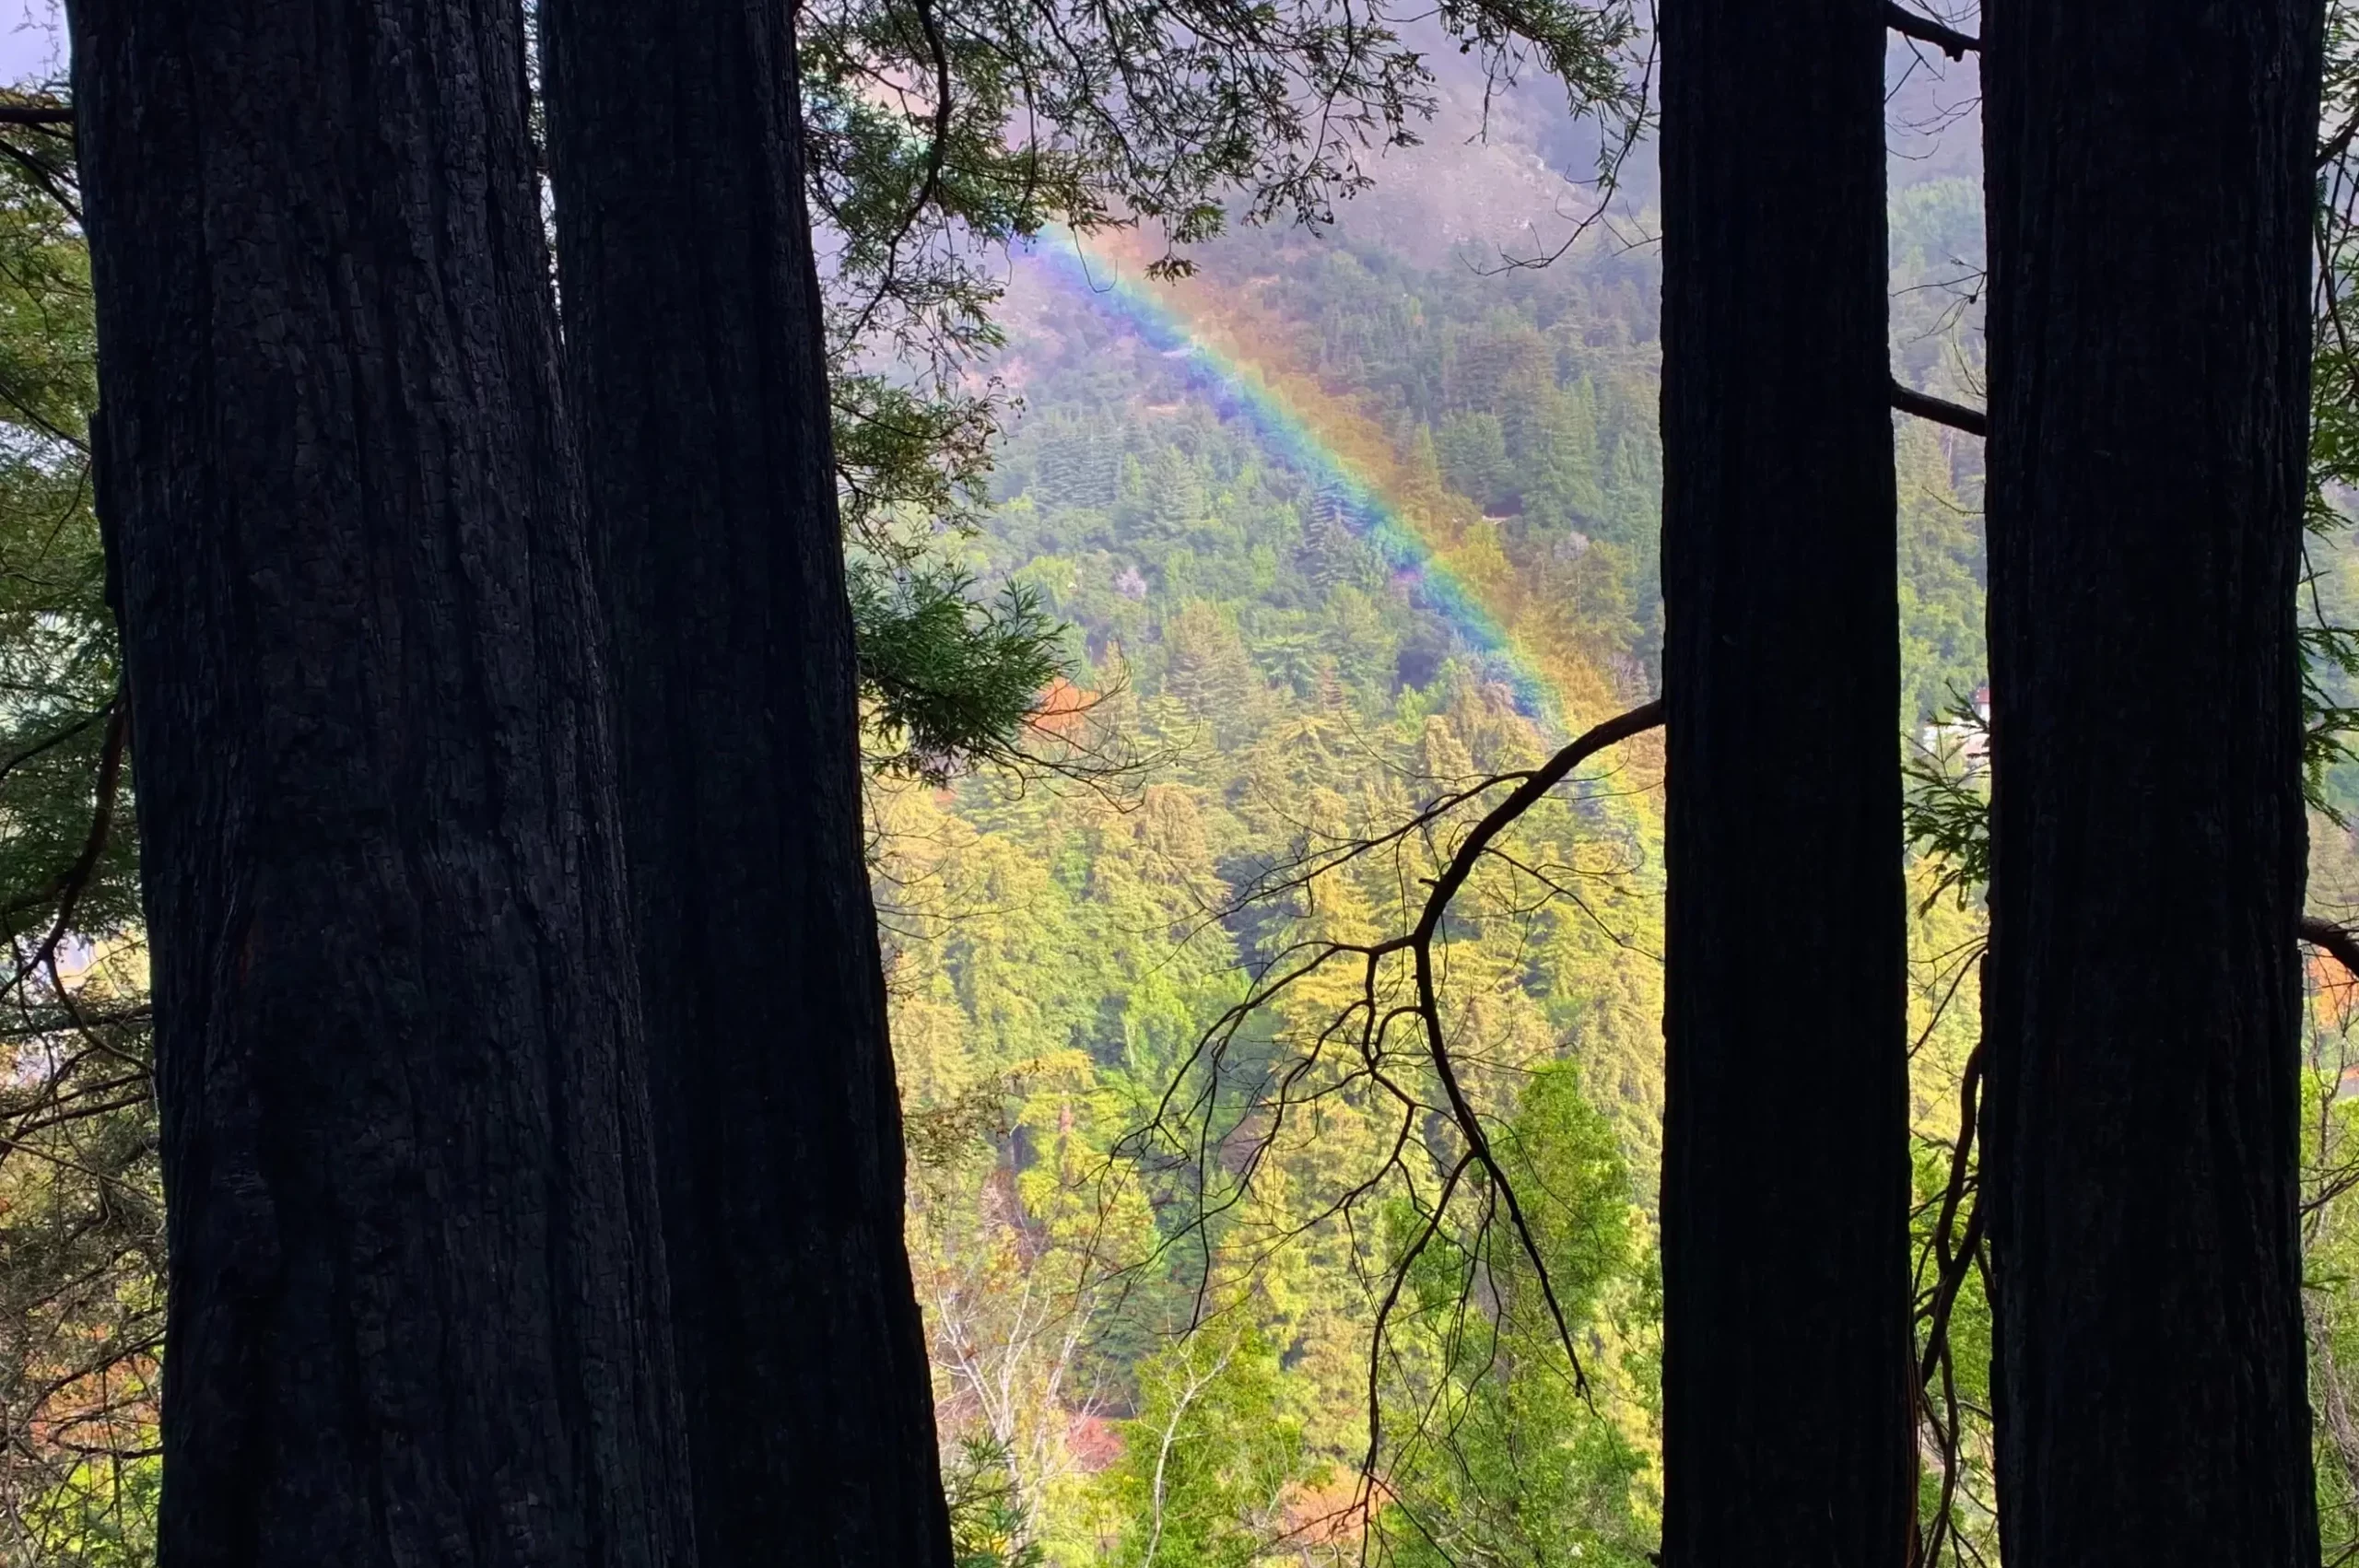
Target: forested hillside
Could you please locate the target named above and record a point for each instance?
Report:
(1155, 1310)
(1284, 694)
(1284, 1148)
(1131, 1280)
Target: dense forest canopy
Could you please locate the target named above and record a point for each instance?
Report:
(1196, 636)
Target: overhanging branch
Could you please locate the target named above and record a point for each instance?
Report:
(1184, 1121)
(1940, 411)
(1925, 30)
(2338, 942)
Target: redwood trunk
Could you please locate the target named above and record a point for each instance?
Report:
(1787, 1433)
(2150, 202)
(695, 341)
(416, 1286)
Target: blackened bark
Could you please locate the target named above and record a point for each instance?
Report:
(415, 1283)
(2150, 202)
(693, 337)
(1786, 1430)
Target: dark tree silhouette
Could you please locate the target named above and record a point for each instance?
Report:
(695, 341)
(416, 1296)
(1786, 1397)
(2150, 209)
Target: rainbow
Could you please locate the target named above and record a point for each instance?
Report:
(1302, 438)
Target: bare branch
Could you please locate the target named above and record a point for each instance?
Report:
(936, 154)
(2338, 942)
(72, 883)
(1940, 411)
(2339, 143)
(1925, 30)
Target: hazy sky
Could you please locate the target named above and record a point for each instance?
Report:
(32, 40)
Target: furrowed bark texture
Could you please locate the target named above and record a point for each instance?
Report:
(1786, 1388)
(2149, 210)
(694, 340)
(416, 1290)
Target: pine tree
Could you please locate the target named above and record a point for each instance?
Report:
(1787, 1393)
(2150, 202)
(415, 1290)
(1472, 451)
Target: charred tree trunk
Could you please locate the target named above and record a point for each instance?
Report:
(2150, 202)
(1786, 1398)
(694, 340)
(416, 1287)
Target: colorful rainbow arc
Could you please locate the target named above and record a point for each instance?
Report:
(1237, 387)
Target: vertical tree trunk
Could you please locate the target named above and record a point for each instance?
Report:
(695, 339)
(1787, 1400)
(2150, 206)
(417, 1289)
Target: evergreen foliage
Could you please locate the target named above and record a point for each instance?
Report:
(940, 136)
(81, 1243)
(1058, 953)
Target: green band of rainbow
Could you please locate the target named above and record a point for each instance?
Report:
(1236, 388)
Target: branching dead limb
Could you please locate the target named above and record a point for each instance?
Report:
(1956, 1250)
(1925, 30)
(1204, 1110)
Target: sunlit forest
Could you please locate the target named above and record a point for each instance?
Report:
(1155, 1236)
(1242, 660)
